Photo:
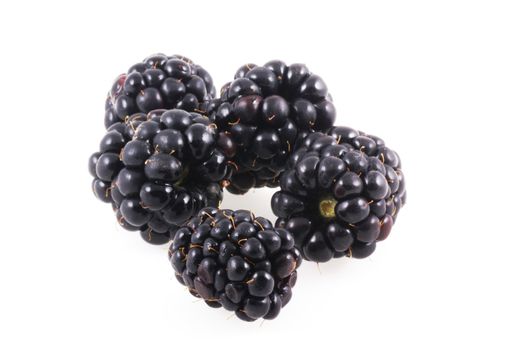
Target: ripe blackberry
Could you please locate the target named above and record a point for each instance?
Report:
(264, 114)
(236, 260)
(340, 195)
(158, 82)
(158, 170)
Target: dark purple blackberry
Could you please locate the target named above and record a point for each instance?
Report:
(340, 195)
(236, 260)
(158, 170)
(264, 114)
(159, 82)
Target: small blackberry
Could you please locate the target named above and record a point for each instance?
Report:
(236, 260)
(159, 82)
(158, 170)
(340, 195)
(264, 114)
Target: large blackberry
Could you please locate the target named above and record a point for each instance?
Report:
(340, 195)
(236, 260)
(158, 170)
(158, 82)
(264, 114)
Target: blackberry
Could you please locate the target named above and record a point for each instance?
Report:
(158, 170)
(264, 114)
(158, 82)
(341, 194)
(236, 260)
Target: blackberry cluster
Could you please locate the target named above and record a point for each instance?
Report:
(236, 260)
(158, 170)
(264, 114)
(171, 146)
(341, 194)
(159, 82)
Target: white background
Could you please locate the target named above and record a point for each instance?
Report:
(440, 81)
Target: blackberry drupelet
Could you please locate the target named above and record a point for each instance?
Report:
(340, 195)
(264, 114)
(236, 260)
(158, 170)
(159, 82)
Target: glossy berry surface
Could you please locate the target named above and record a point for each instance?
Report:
(340, 195)
(236, 260)
(158, 82)
(158, 170)
(264, 114)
